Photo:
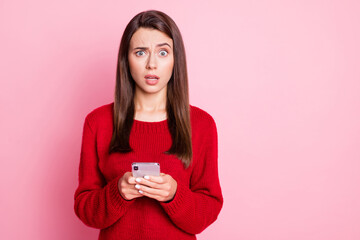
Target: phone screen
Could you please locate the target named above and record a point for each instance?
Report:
(141, 169)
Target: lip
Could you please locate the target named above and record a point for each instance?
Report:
(150, 81)
(151, 76)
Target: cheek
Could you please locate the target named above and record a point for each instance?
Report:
(134, 66)
(169, 66)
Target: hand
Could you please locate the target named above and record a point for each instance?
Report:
(126, 186)
(161, 188)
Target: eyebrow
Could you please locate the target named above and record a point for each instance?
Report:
(159, 45)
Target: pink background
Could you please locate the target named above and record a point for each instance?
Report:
(281, 79)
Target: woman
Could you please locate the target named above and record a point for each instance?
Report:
(150, 120)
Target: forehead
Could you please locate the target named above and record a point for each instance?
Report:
(145, 37)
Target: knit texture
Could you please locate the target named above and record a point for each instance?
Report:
(198, 199)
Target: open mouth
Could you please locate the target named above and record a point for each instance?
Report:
(151, 77)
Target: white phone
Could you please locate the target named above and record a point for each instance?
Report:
(141, 169)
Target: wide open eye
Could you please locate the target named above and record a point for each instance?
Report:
(140, 53)
(163, 53)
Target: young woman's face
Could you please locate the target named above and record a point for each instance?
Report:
(151, 60)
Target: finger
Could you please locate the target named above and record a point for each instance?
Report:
(131, 180)
(143, 181)
(150, 190)
(166, 187)
(150, 195)
(129, 194)
(131, 190)
(157, 179)
(128, 178)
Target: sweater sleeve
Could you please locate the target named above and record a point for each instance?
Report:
(98, 204)
(197, 206)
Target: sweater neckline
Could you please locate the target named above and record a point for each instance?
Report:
(149, 122)
(150, 127)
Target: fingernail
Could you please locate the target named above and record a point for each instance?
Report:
(137, 186)
(141, 192)
(138, 179)
(147, 177)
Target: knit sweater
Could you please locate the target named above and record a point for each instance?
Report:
(197, 201)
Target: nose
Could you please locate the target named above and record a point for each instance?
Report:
(151, 63)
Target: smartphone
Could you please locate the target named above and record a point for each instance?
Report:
(141, 169)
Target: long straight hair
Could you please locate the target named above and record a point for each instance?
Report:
(177, 102)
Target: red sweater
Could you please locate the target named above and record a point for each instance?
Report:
(198, 199)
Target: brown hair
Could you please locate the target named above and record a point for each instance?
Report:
(177, 102)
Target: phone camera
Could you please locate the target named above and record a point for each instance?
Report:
(136, 168)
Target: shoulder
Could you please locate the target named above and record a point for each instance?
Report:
(201, 118)
(102, 114)
(203, 130)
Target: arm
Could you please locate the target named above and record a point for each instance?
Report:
(196, 207)
(97, 204)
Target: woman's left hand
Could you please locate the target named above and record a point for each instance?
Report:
(161, 188)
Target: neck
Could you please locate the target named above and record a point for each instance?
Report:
(150, 106)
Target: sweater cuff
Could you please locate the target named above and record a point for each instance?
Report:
(181, 199)
(116, 200)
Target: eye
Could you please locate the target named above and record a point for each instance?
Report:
(163, 53)
(138, 53)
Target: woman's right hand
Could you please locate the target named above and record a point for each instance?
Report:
(126, 186)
